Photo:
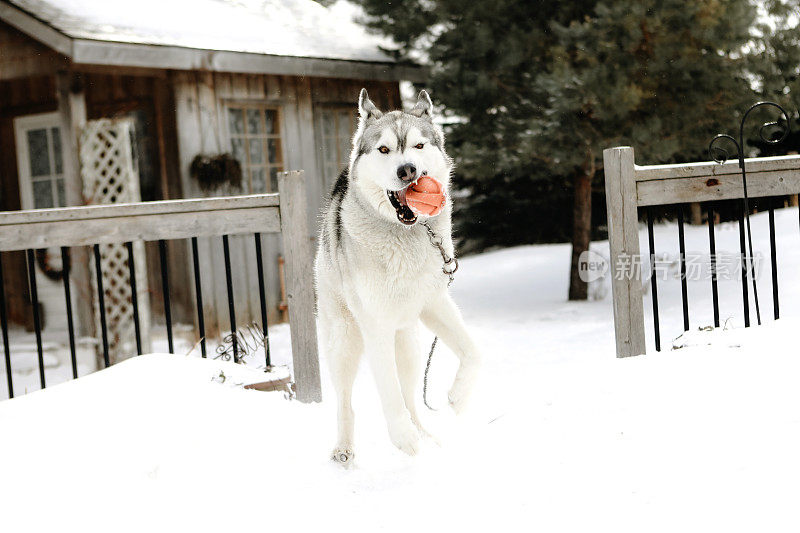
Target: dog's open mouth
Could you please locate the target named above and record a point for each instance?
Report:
(404, 213)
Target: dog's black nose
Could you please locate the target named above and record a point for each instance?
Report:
(407, 172)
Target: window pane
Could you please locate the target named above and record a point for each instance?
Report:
(274, 150)
(254, 121)
(237, 147)
(42, 194)
(271, 118)
(56, 133)
(259, 180)
(256, 151)
(236, 121)
(38, 152)
(62, 197)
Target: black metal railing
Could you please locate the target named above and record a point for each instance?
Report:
(83, 230)
(101, 297)
(745, 260)
(767, 133)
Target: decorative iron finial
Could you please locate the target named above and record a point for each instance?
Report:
(720, 155)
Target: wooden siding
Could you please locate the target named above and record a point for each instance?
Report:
(147, 94)
(201, 99)
(22, 57)
(185, 115)
(18, 96)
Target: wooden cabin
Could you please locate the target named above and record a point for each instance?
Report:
(274, 84)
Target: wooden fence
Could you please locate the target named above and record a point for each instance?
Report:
(283, 213)
(630, 186)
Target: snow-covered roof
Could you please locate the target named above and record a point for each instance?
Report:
(208, 34)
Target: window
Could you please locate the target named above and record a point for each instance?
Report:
(335, 129)
(256, 143)
(41, 177)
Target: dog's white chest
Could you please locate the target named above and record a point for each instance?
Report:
(398, 277)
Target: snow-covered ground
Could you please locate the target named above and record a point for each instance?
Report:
(562, 436)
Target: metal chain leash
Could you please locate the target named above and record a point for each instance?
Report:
(449, 267)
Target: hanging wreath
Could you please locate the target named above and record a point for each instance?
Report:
(44, 258)
(212, 172)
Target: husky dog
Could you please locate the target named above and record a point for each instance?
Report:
(378, 274)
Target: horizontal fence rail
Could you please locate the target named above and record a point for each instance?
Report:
(630, 186)
(701, 182)
(160, 222)
(146, 221)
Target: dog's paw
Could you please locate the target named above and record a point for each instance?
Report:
(343, 456)
(463, 385)
(404, 435)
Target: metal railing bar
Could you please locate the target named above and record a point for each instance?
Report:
(774, 260)
(684, 292)
(712, 249)
(65, 265)
(134, 297)
(262, 293)
(231, 308)
(162, 253)
(37, 322)
(198, 292)
(653, 283)
(743, 252)
(4, 327)
(101, 302)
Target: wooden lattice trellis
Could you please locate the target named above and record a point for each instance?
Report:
(110, 176)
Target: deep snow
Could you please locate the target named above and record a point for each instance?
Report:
(561, 436)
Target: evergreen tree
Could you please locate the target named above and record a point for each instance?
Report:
(539, 89)
(775, 68)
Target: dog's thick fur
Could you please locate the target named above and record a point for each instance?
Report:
(377, 277)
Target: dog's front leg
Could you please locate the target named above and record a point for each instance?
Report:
(443, 318)
(379, 345)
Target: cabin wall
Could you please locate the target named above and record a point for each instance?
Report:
(18, 97)
(23, 57)
(202, 99)
(147, 98)
(179, 114)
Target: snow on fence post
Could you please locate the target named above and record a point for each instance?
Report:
(623, 240)
(300, 285)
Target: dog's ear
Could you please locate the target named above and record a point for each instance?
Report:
(424, 106)
(366, 109)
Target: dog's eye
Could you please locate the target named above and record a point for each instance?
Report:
(383, 150)
(419, 146)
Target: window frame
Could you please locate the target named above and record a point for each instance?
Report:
(22, 125)
(261, 105)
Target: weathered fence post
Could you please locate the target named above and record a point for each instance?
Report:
(300, 285)
(623, 240)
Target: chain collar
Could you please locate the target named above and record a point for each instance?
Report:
(449, 267)
(450, 263)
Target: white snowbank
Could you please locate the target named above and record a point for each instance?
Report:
(562, 436)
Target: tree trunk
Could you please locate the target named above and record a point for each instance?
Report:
(581, 232)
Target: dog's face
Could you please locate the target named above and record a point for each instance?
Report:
(391, 151)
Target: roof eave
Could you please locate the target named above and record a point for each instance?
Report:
(35, 28)
(93, 52)
(179, 58)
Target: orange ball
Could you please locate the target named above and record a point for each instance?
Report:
(426, 196)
